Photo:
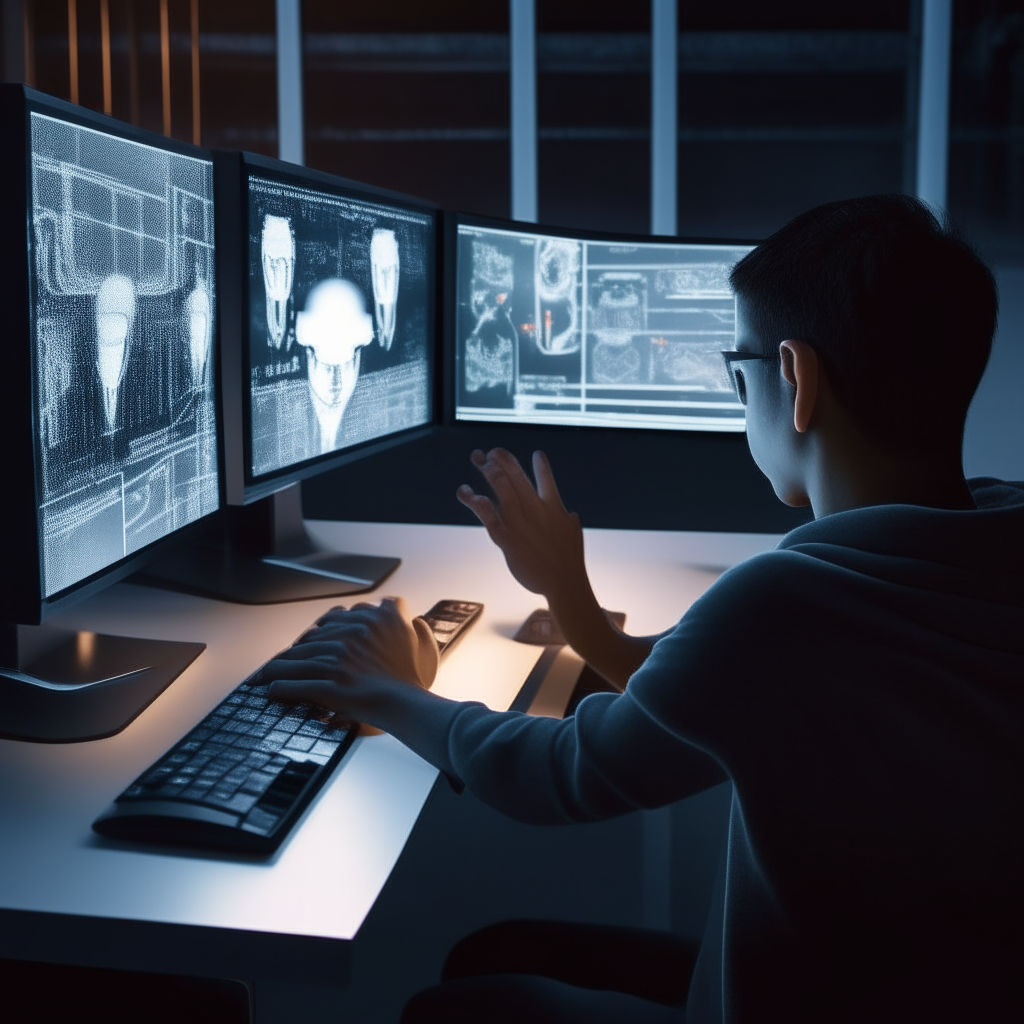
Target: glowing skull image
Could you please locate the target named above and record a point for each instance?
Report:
(115, 315)
(384, 272)
(333, 328)
(278, 275)
(198, 314)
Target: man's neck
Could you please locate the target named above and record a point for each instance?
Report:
(859, 476)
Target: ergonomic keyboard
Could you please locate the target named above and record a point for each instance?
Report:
(240, 780)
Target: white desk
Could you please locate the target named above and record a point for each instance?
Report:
(325, 878)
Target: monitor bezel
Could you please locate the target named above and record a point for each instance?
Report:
(21, 598)
(231, 179)
(452, 221)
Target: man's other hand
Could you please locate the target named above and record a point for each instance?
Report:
(541, 541)
(350, 660)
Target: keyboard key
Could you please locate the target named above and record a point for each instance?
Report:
(324, 747)
(228, 759)
(302, 743)
(261, 821)
(170, 790)
(240, 803)
(197, 791)
(273, 742)
(257, 783)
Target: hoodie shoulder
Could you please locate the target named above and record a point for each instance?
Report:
(989, 492)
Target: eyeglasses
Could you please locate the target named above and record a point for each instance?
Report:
(736, 372)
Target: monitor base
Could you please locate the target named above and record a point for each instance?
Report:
(264, 555)
(210, 570)
(71, 686)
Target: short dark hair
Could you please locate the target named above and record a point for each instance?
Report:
(899, 307)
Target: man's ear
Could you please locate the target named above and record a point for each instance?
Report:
(801, 369)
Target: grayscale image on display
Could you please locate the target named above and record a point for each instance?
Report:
(339, 299)
(576, 332)
(123, 281)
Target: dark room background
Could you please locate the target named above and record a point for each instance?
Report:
(780, 106)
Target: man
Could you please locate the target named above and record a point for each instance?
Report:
(861, 685)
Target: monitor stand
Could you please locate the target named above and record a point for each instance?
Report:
(262, 554)
(62, 686)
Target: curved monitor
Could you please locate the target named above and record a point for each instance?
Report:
(554, 327)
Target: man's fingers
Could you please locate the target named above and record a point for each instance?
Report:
(318, 649)
(296, 668)
(502, 477)
(428, 656)
(307, 691)
(482, 507)
(332, 614)
(546, 486)
(397, 604)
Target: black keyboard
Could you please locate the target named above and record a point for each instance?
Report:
(240, 780)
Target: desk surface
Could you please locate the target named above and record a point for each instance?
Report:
(325, 878)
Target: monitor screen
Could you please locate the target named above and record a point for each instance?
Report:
(552, 329)
(340, 321)
(123, 297)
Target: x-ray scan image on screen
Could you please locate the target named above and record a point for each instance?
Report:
(338, 322)
(123, 286)
(591, 333)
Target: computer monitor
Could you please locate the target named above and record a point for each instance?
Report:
(109, 425)
(569, 328)
(327, 356)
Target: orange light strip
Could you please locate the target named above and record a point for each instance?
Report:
(165, 65)
(73, 48)
(108, 95)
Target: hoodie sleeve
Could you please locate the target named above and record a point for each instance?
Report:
(618, 753)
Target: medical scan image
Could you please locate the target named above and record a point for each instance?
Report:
(570, 331)
(339, 303)
(124, 292)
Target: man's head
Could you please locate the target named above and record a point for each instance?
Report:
(897, 310)
(900, 310)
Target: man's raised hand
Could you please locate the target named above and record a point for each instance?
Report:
(541, 541)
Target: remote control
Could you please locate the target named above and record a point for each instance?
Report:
(449, 620)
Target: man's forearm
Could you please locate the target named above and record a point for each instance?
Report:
(592, 636)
